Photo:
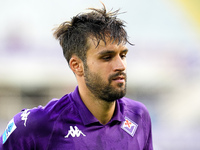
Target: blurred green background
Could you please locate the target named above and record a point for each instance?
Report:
(163, 66)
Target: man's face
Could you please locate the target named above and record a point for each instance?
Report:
(105, 70)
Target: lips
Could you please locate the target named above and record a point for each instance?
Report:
(119, 78)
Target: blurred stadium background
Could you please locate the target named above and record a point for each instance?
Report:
(163, 66)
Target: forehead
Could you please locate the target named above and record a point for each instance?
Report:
(104, 46)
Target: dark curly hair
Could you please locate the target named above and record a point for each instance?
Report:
(98, 24)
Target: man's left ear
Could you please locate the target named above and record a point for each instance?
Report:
(76, 65)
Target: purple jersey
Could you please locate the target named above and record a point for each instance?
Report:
(67, 124)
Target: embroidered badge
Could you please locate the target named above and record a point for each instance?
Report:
(129, 126)
(9, 129)
(74, 132)
(24, 116)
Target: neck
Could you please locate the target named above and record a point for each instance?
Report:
(101, 109)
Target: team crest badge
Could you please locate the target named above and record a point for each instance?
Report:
(129, 126)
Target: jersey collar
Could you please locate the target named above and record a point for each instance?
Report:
(88, 118)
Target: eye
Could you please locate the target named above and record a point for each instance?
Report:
(107, 58)
(123, 56)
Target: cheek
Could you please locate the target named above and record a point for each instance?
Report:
(96, 66)
(102, 69)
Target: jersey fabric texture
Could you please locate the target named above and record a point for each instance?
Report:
(67, 124)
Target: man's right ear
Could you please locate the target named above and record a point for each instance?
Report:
(76, 65)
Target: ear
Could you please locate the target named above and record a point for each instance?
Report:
(76, 65)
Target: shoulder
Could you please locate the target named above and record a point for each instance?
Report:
(133, 106)
(40, 117)
(33, 125)
(24, 127)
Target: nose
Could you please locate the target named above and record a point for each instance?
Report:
(119, 64)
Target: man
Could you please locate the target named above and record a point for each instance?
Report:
(96, 115)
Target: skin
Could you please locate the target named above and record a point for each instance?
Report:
(103, 62)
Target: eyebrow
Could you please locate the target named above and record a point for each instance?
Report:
(111, 52)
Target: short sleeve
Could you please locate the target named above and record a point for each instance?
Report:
(27, 130)
(14, 133)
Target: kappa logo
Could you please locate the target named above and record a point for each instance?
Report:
(9, 129)
(74, 132)
(24, 116)
(129, 126)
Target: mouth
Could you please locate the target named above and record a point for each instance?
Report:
(120, 79)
